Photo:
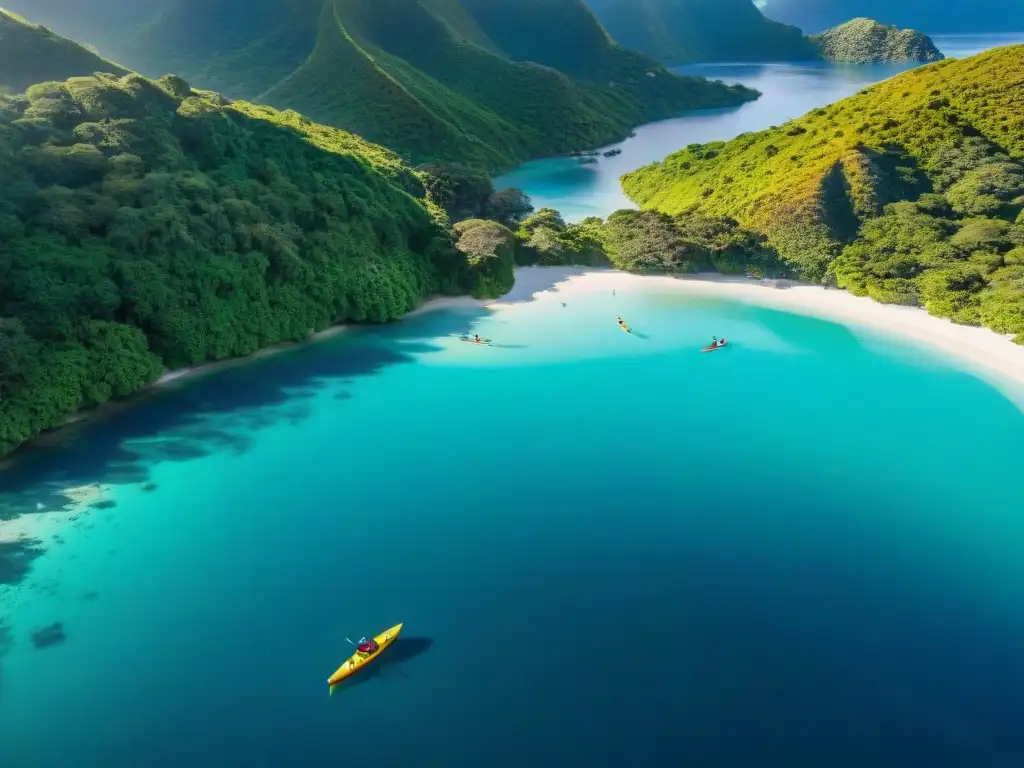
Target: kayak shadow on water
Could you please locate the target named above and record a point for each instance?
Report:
(389, 663)
(641, 335)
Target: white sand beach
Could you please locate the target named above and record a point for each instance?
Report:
(993, 357)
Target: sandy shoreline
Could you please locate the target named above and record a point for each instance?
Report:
(431, 305)
(977, 350)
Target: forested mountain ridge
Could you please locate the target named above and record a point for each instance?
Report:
(929, 16)
(676, 31)
(486, 83)
(30, 53)
(146, 225)
(911, 191)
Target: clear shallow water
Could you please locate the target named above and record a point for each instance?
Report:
(803, 550)
(788, 91)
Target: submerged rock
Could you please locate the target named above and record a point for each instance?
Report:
(51, 634)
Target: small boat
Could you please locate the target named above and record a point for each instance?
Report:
(471, 340)
(623, 325)
(358, 660)
(713, 347)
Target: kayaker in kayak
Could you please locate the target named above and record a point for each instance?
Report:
(367, 646)
(716, 343)
(476, 338)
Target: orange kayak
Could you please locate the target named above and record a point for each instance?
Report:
(713, 347)
(358, 660)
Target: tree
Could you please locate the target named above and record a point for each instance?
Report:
(508, 206)
(490, 253)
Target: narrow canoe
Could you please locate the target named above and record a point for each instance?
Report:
(712, 347)
(358, 660)
(624, 326)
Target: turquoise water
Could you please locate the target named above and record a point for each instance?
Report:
(606, 549)
(788, 91)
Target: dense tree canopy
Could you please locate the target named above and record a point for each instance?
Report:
(545, 239)
(490, 250)
(911, 191)
(651, 241)
(467, 193)
(147, 225)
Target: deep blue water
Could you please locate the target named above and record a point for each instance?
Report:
(606, 549)
(788, 91)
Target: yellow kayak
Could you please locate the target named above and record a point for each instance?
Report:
(623, 325)
(358, 660)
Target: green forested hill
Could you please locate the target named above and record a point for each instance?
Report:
(30, 53)
(864, 41)
(489, 83)
(675, 31)
(911, 191)
(146, 225)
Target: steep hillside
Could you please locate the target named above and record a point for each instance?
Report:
(863, 41)
(562, 34)
(675, 31)
(565, 35)
(149, 226)
(100, 24)
(432, 79)
(947, 137)
(948, 17)
(30, 53)
(236, 47)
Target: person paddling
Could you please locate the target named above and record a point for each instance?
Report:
(367, 646)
